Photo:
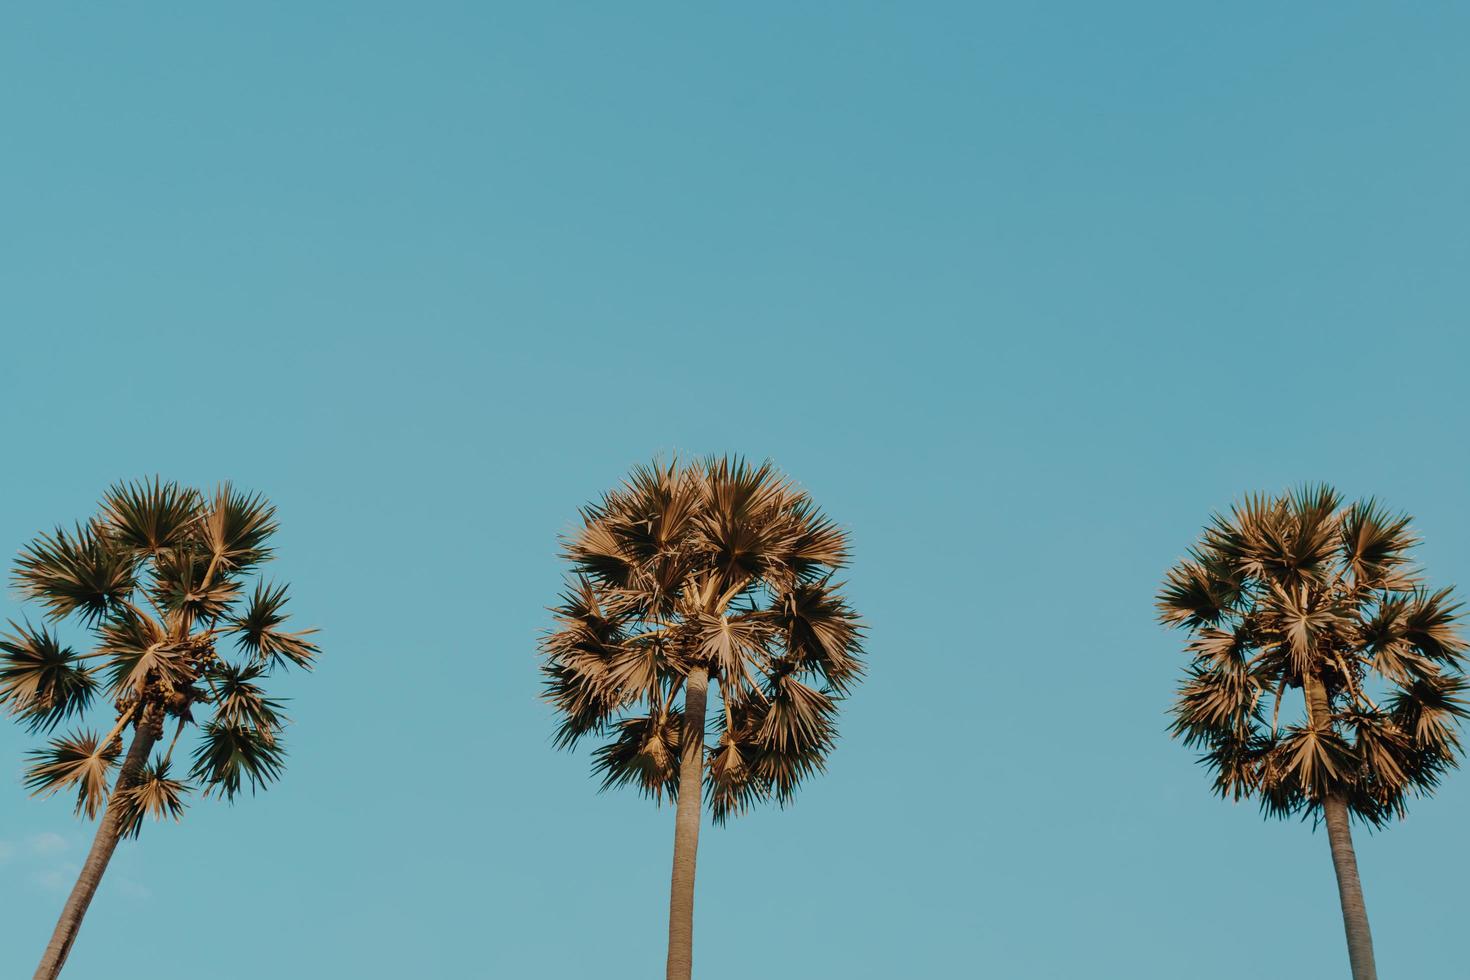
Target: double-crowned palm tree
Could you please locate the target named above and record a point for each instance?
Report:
(1326, 678)
(159, 577)
(686, 574)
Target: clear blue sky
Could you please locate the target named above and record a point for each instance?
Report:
(1019, 295)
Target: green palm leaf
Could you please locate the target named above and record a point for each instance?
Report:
(150, 517)
(78, 572)
(241, 703)
(183, 583)
(230, 756)
(40, 680)
(257, 630)
(236, 527)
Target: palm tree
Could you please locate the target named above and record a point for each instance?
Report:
(1299, 593)
(157, 578)
(687, 574)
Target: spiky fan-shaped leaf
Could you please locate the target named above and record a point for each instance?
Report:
(241, 702)
(821, 631)
(41, 681)
(235, 529)
(149, 517)
(154, 795)
(230, 757)
(79, 572)
(75, 760)
(183, 583)
(141, 654)
(258, 633)
(644, 754)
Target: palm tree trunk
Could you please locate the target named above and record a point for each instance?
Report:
(103, 844)
(1344, 860)
(1349, 889)
(686, 827)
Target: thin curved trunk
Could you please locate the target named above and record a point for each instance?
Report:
(686, 827)
(1349, 889)
(1344, 859)
(103, 844)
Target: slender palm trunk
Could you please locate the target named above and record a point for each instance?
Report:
(686, 827)
(1349, 889)
(1344, 860)
(108, 831)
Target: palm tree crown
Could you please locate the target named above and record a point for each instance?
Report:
(158, 577)
(719, 567)
(1299, 592)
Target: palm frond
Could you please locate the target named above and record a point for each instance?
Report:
(179, 585)
(733, 782)
(1197, 593)
(821, 632)
(644, 754)
(1375, 546)
(793, 731)
(579, 658)
(1309, 620)
(150, 517)
(1384, 754)
(585, 702)
(817, 545)
(78, 572)
(1242, 542)
(236, 527)
(599, 554)
(1431, 626)
(75, 760)
(40, 680)
(154, 795)
(1429, 710)
(240, 702)
(739, 521)
(229, 757)
(730, 641)
(796, 716)
(1313, 758)
(1235, 757)
(257, 630)
(140, 654)
(1385, 643)
(1215, 703)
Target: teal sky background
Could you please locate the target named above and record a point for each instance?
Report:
(1020, 293)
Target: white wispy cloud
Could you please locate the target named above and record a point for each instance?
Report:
(135, 890)
(58, 878)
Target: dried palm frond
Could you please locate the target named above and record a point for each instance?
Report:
(154, 795)
(78, 760)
